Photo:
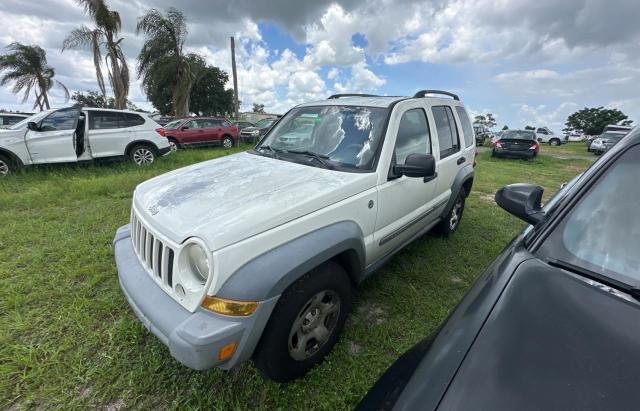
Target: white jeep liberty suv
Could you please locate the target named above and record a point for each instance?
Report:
(255, 255)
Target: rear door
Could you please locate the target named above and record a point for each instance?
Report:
(54, 142)
(210, 130)
(451, 157)
(108, 133)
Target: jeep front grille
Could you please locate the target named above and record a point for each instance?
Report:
(154, 254)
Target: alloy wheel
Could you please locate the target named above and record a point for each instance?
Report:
(173, 146)
(314, 324)
(143, 156)
(227, 143)
(4, 168)
(455, 214)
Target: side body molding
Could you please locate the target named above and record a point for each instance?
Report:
(465, 174)
(269, 274)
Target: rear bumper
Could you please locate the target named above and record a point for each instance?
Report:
(193, 338)
(515, 154)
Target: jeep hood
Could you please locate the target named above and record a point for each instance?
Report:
(229, 199)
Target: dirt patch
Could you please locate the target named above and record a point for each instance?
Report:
(372, 313)
(116, 405)
(456, 279)
(353, 348)
(487, 197)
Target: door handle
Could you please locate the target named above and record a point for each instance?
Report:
(461, 160)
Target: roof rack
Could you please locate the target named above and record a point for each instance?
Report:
(423, 93)
(335, 96)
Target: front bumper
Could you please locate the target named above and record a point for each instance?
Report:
(164, 151)
(193, 338)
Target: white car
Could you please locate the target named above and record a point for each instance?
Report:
(75, 134)
(544, 135)
(9, 119)
(254, 255)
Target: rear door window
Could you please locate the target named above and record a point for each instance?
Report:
(131, 120)
(447, 131)
(100, 120)
(467, 129)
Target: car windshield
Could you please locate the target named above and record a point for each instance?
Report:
(34, 118)
(172, 125)
(264, 123)
(518, 135)
(602, 232)
(345, 135)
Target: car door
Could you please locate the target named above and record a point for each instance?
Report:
(451, 158)
(54, 139)
(208, 130)
(108, 135)
(191, 132)
(405, 204)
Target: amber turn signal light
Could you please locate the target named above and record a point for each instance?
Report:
(229, 307)
(227, 351)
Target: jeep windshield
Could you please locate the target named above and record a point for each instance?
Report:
(338, 137)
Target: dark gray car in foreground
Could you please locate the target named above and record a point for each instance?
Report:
(554, 321)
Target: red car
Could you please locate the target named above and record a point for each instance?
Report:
(200, 131)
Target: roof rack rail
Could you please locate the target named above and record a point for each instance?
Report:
(335, 96)
(423, 93)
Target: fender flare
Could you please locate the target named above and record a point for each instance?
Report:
(463, 180)
(136, 142)
(270, 274)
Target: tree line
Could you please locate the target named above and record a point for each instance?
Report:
(175, 82)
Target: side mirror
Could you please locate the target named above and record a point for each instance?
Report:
(523, 201)
(184, 128)
(33, 126)
(417, 165)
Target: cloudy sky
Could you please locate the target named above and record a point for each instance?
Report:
(526, 61)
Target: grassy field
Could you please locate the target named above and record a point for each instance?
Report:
(68, 338)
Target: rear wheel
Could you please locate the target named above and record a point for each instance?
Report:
(554, 142)
(227, 142)
(173, 144)
(6, 166)
(305, 324)
(143, 154)
(452, 220)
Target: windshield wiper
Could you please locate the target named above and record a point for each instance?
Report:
(274, 152)
(633, 291)
(320, 158)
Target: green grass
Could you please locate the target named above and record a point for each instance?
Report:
(68, 338)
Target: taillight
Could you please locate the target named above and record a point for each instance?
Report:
(535, 146)
(497, 144)
(160, 131)
(234, 129)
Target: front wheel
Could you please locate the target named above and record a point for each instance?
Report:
(305, 324)
(6, 166)
(452, 220)
(554, 142)
(143, 155)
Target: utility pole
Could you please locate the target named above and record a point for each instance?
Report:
(235, 79)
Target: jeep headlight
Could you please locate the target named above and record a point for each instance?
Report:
(255, 132)
(195, 265)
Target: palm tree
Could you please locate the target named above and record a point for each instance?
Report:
(104, 35)
(26, 67)
(162, 53)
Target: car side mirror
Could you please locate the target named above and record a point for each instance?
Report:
(523, 201)
(417, 165)
(184, 128)
(33, 126)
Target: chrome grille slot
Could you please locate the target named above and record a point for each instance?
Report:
(155, 255)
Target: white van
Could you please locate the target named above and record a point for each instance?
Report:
(76, 134)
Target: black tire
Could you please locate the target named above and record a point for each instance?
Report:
(446, 227)
(274, 354)
(226, 142)
(554, 142)
(143, 154)
(6, 166)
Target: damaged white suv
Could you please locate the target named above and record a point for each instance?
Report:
(255, 255)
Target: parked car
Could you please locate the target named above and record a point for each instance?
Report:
(552, 323)
(544, 135)
(200, 131)
(255, 133)
(606, 140)
(9, 119)
(160, 119)
(516, 143)
(254, 255)
(481, 133)
(75, 134)
(243, 124)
